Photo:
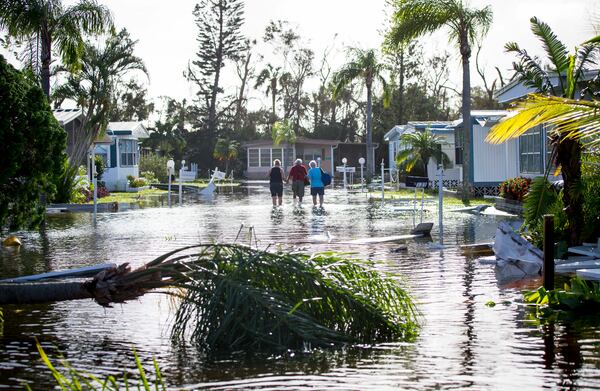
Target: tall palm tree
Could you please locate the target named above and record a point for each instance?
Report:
(413, 18)
(365, 66)
(562, 77)
(93, 88)
(55, 27)
(419, 148)
(226, 150)
(270, 76)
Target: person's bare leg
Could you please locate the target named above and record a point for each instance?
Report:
(321, 200)
(315, 200)
(280, 199)
(274, 201)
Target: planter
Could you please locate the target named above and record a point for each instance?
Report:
(135, 189)
(510, 206)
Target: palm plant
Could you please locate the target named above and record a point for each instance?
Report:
(413, 18)
(226, 150)
(569, 71)
(238, 298)
(365, 66)
(420, 147)
(93, 88)
(282, 132)
(55, 27)
(270, 76)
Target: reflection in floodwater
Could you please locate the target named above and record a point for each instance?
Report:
(463, 343)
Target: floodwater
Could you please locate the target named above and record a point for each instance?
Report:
(463, 342)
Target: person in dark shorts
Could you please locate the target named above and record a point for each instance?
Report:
(276, 182)
(316, 184)
(298, 175)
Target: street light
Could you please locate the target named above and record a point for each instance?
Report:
(170, 168)
(344, 161)
(361, 161)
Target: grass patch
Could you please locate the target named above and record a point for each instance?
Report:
(124, 197)
(404, 194)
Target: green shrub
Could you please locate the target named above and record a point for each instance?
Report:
(100, 167)
(149, 176)
(155, 164)
(136, 182)
(515, 188)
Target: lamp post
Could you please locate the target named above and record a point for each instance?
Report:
(94, 182)
(344, 161)
(361, 161)
(170, 168)
(180, 183)
(382, 181)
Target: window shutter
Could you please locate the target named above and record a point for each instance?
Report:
(113, 154)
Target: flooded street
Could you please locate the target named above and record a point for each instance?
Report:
(463, 342)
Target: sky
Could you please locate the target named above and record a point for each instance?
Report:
(167, 33)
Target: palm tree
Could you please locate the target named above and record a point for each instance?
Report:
(93, 87)
(568, 70)
(55, 27)
(283, 132)
(413, 18)
(364, 66)
(420, 147)
(226, 149)
(270, 75)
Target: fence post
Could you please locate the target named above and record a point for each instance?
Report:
(548, 271)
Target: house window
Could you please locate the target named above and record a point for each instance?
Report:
(253, 159)
(265, 157)
(288, 155)
(530, 151)
(128, 150)
(276, 154)
(459, 140)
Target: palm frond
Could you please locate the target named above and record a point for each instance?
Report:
(555, 49)
(577, 119)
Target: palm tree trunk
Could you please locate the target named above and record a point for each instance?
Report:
(370, 155)
(46, 60)
(568, 156)
(42, 292)
(466, 115)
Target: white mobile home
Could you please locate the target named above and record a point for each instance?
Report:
(121, 157)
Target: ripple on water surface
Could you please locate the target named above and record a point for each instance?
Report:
(463, 343)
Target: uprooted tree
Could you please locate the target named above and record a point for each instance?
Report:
(237, 298)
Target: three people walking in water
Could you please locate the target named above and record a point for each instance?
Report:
(298, 175)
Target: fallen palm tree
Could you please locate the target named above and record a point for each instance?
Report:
(237, 298)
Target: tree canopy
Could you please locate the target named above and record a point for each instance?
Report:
(32, 149)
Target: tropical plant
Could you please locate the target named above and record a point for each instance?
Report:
(420, 147)
(226, 150)
(569, 71)
(576, 295)
(32, 150)
(365, 66)
(76, 380)
(413, 18)
(93, 88)
(238, 298)
(270, 76)
(155, 164)
(515, 188)
(282, 132)
(54, 26)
